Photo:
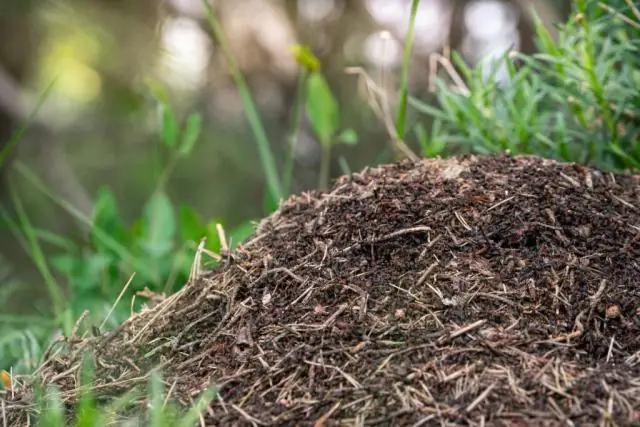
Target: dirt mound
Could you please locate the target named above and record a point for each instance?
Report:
(471, 291)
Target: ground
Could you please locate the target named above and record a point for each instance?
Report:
(469, 291)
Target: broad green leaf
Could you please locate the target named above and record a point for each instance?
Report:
(106, 218)
(347, 137)
(159, 225)
(191, 134)
(192, 226)
(322, 108)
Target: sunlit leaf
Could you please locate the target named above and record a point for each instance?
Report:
(322, 108)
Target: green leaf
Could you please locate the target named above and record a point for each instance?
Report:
(431, 145)
(169, 126)
(626, 158)
(347, 137)
(106, 219)
(159, 226)
(430, 110)
(322, 108)
(191, 134)
(192, 226)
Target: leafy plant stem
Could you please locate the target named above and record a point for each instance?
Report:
(401, 115)
(266, 156)
(325, 165)
(166, 172)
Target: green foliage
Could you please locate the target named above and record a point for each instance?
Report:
(159, 248)
(93, 412)
(324, 115)
(576, 100)
(401, 115)
(322, 108)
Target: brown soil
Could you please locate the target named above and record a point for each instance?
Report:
(473, 291)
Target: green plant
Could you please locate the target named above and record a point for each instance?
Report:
(323, 112)
(575, 100)
(91, 410)
(159, 248)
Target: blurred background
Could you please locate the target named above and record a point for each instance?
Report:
(95, 65)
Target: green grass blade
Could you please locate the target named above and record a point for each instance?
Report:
(17, 135)
(266, 156)
(53, 288)
(401, 115)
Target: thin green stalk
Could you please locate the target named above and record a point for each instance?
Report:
(53, 288)
(588, 59)
(295, 135)
(266, 156)
(325, 165)
(165, 173)
(17, 135)
(401, 115)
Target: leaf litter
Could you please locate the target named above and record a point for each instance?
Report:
(480, 291)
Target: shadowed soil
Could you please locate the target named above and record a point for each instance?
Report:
(471, 291)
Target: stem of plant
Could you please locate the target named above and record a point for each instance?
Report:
(295, 135)
(53, 288)
(589, 60)
(401, 115)
(325, 166)
(266, 156)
